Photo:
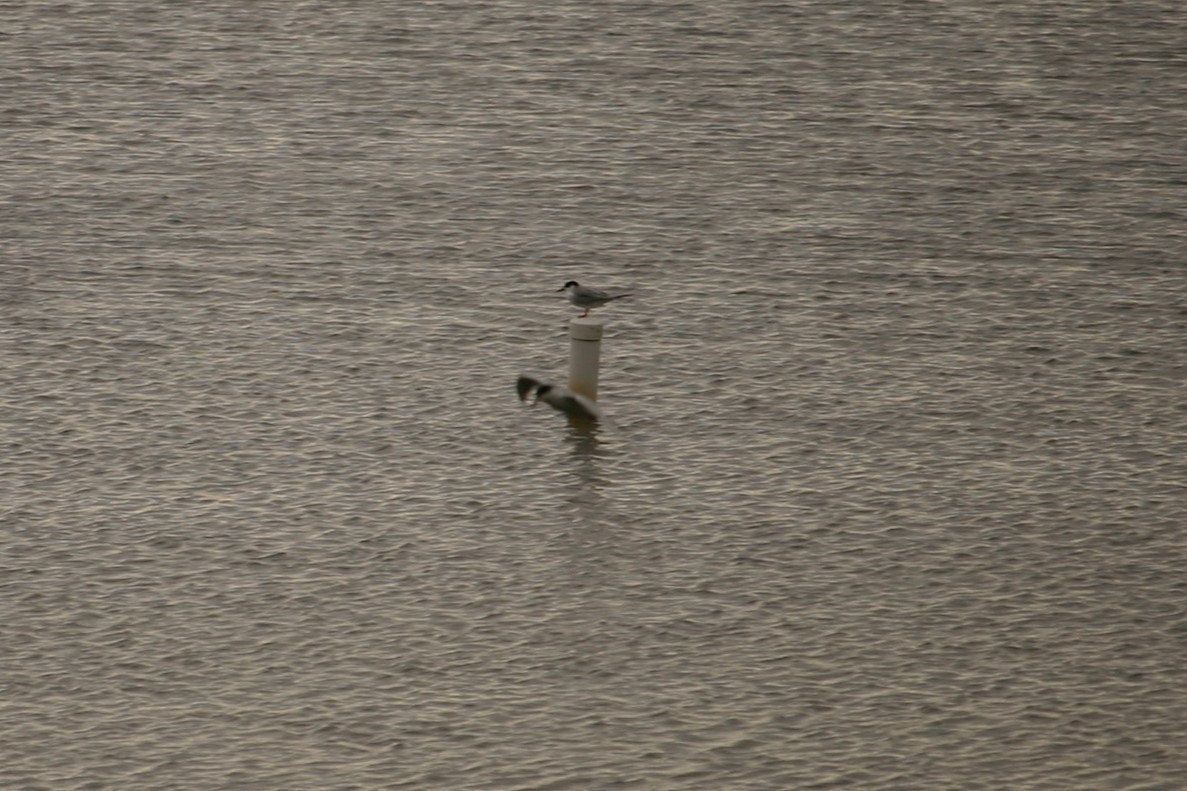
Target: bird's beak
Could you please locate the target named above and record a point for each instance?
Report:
(562, 288)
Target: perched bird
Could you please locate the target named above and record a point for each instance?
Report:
(559, 398)
(586, 297)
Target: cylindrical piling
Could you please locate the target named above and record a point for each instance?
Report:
(585, 350)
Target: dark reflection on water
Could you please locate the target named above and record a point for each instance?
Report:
(590, 482)
(893, 498)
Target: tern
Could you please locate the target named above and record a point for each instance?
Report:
(586, 297)
(559, 398)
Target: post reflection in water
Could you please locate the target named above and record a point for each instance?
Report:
(588, 450)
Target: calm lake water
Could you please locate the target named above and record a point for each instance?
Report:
(894, 498)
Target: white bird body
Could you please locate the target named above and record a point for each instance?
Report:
(587, 297)
(559, 398)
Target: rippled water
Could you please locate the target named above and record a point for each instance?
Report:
(896, 494)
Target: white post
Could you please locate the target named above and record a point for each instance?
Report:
(585, 351)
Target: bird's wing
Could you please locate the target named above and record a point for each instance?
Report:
(524, 385)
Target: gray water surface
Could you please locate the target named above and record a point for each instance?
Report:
(894, 498)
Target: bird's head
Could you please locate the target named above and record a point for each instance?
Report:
(567, 286)
(541, 392)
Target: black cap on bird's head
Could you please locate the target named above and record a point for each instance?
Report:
(541, 391)
(572, 283)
